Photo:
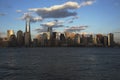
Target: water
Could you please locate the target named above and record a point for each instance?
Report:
(59, 63)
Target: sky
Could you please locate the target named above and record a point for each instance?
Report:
(100, 16)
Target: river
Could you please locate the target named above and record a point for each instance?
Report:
(60, 63)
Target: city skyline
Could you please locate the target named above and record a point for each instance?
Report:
(100, 16)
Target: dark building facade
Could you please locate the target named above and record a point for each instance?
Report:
(20, 38)
(12, 41)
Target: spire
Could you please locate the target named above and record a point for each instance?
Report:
(29, 25)
(26, 26)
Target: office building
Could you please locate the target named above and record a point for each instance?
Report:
(44, 41)
(110, 39)
(12, 41)
(9, 33)
(27, 35)
(35, 42)
(20, 38)
(95, 40)
(77, 39)
(105, 41)
(50, 31)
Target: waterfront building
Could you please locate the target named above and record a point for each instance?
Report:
(50, 31)
(4, 42)
(77, 39)
(39, 38)
(20, 38)
(55, 39)
(110, 39)
(12, 41)
(84, 40)
(35, 42)
(90, 40)
(44, 40)
(95, 40)
(27, 35)
(62, 39)
(105, 42)
(99, 40)
(9, 33)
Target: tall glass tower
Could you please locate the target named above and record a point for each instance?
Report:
(27, 33)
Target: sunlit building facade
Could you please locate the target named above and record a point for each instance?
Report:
(77, 39)
(110, 39)
(9, 33)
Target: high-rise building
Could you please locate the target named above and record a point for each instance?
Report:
(84, 40)
(44, 41)
(99, 38)
(105, 41)
(77, 39)
(39, 38)
(50, 31)
(62, 39)
(20, 38)
(95, 40)
(27, 35)
(54, 40)
(12, 41)
(35, 42)
(9, 33)
(110, 39)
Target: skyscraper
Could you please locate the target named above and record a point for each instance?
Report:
(9, 33)
(77, 39)
(50, 31)
(12, 41)
(110, 39)
(20, 38)
(27, 33)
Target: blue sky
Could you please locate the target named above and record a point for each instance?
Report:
(102, 16)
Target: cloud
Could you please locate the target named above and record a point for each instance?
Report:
(53, 24)
(43, 29)
(2, 14)
(71, 20)
(57, 11)
(32, 19)
(87, 3)
(18, 11)
(35, 19)
(74, 29)
(40, 30)
(60, 11)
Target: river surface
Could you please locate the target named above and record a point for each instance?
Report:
(60, 63)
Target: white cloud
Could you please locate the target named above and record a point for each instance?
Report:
(32, 19)
(71, 20)
(60, 11)
(54, 24)
(18, 11)
(76, 28)
(39, 30)
(57, 11)
(86, 3)
(36, 19)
